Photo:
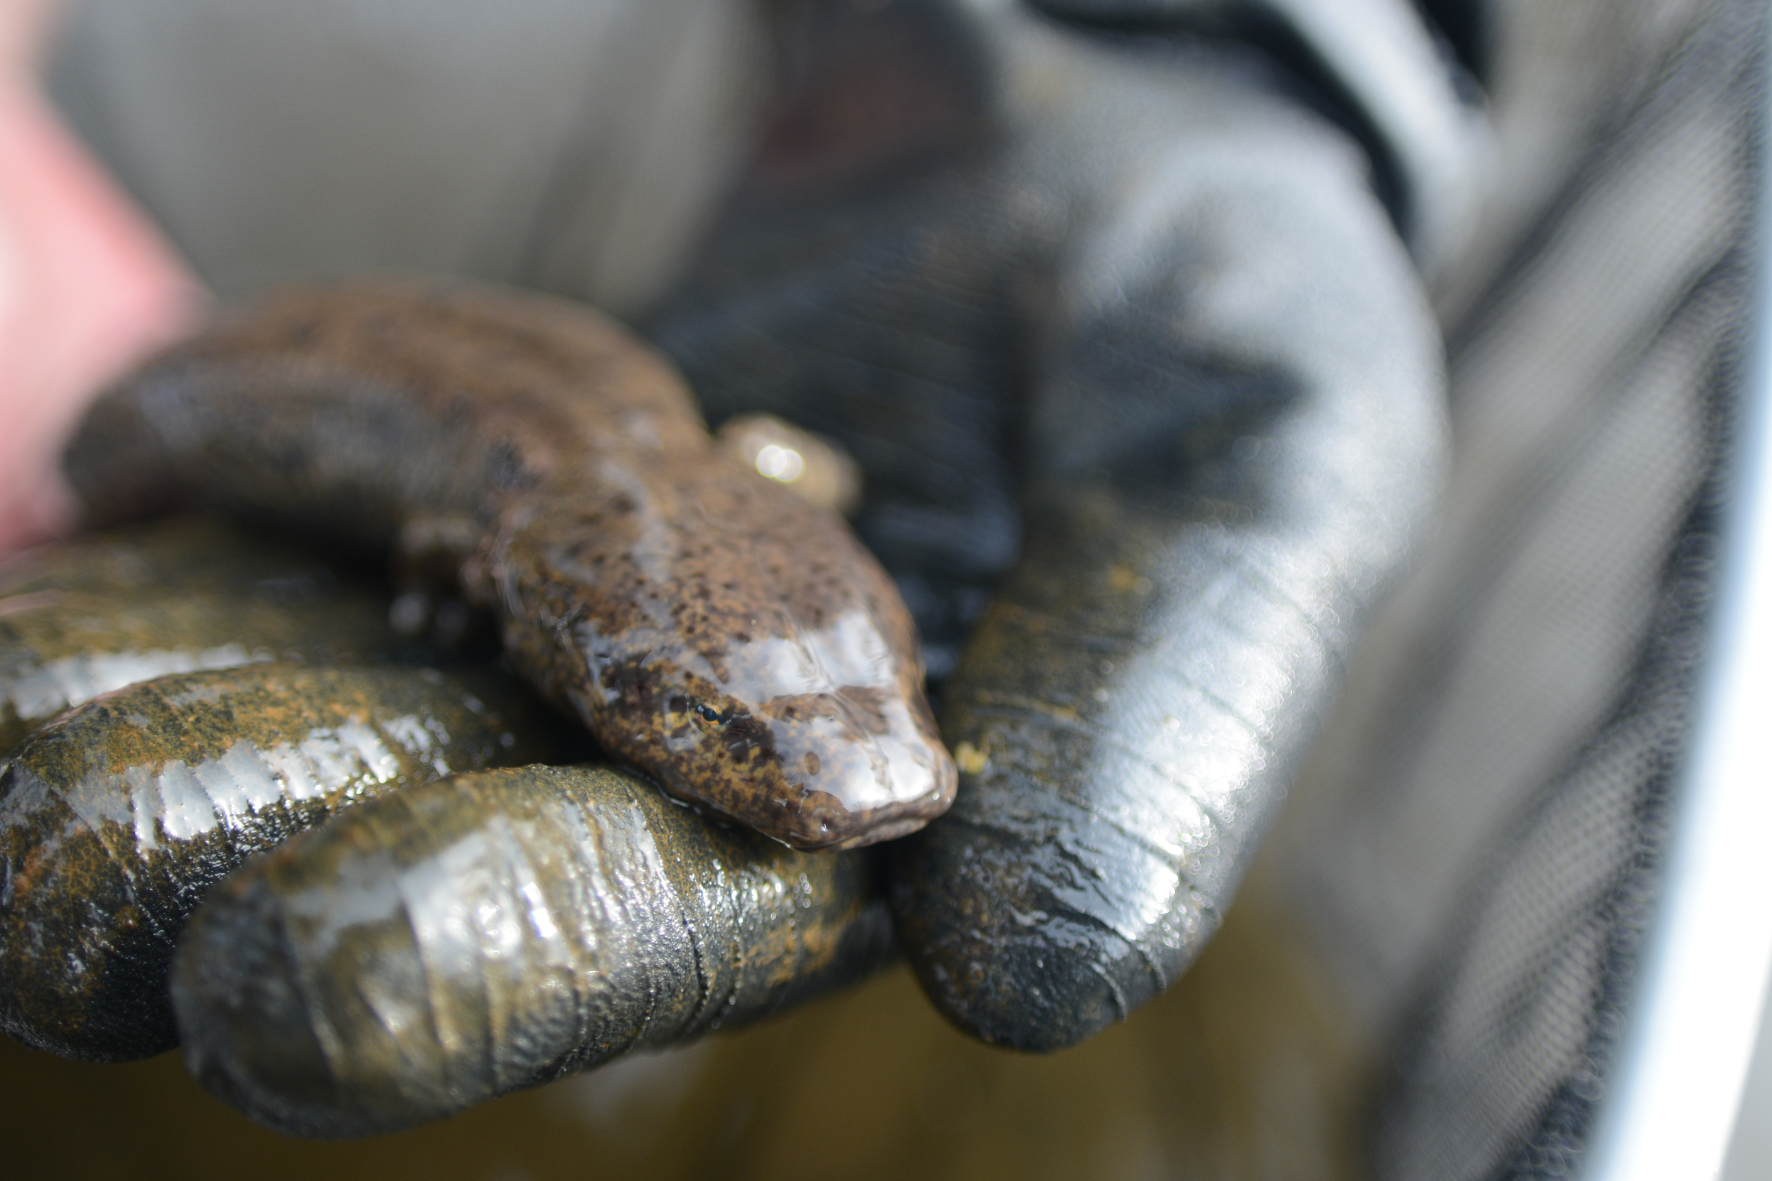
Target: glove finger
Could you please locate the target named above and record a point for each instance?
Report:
(117, 817)
(497, 930)
(1237, 431)
(85, 616)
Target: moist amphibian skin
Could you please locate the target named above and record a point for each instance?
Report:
(104, 610)
(496, 930)
(711, 629)
(118, 816)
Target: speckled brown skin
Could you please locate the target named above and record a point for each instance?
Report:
(497, 930)
(117, 817)
(711, 629)
(97, 612)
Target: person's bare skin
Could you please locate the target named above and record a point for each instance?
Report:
(87, 285)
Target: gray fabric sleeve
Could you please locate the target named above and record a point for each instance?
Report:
(565, 144)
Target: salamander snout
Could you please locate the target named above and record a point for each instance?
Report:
(831, 753)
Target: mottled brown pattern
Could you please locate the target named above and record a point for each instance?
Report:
(707, 626)
(117, 818)
(496, 930)
(104, 610)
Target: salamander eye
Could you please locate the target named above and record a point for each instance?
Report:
(718, 717)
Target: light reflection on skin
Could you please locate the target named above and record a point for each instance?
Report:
(861, 739)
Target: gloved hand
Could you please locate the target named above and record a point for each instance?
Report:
(1147, 312)
(1126, 297)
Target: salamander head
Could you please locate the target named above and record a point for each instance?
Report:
(820, 740)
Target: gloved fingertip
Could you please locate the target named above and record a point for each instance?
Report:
(62, 987)
(248, 1035)
(998, 955)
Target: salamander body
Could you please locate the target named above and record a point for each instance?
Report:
(712, 630)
